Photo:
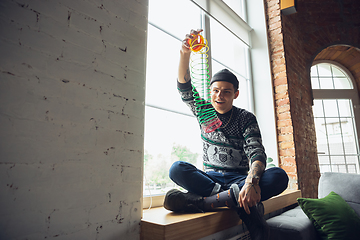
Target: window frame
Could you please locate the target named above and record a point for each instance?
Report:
(352, 94)
(259, 77)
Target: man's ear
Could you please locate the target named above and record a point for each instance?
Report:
(236, 94)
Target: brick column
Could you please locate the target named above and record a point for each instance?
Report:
(286, 145)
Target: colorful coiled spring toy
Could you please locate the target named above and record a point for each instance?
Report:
(206, 114)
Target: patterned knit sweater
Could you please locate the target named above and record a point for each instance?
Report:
(234, 144)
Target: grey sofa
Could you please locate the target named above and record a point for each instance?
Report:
(295, 225)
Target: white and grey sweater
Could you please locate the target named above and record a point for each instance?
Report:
(233, 146)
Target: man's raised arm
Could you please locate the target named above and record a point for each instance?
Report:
(185, 52)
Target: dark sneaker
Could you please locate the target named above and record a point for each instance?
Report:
(255, 222)
(178, 201)
(260, 208)
(234, 192)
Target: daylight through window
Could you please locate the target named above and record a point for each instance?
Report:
(171, 131)
(335, 123)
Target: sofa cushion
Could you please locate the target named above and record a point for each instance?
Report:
(333, 218)
(292, 224)
(345, 184)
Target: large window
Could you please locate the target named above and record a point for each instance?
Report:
(335, 122)
(171, 131)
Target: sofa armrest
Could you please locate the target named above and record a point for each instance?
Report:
(345, 184)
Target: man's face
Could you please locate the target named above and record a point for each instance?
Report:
(222, 96)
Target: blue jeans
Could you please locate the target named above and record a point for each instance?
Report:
(272, 182)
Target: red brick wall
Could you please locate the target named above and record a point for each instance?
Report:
(294, 42)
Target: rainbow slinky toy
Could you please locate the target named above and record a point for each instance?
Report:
(206, 114)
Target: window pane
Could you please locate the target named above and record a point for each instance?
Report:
(322, 142)
(337, 160)
(342, 168)
(315, 83)
(314, 71)
(165, 132)
(175, 17)
(323, 160)
(334, 138)
(342, 83)
(351, 159)
(228, 49)
(236, 6)
(324, 70)
(326, 83)
(336, 72)
(347, 126)
(161, 71)
(325, 168)
(331, 109)
(318, 108)
(234, 58)
(345, 107)
(351, 168)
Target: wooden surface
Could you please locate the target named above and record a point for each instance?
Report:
(159, 223)
(283, 200)
(346, 56)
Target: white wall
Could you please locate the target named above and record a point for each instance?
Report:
(72, 77)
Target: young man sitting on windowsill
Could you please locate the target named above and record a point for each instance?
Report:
(234, 158)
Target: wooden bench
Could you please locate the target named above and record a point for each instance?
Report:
(160, 224)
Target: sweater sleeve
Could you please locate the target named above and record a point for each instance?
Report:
(184, 86)
(187, 95)
(253, 146)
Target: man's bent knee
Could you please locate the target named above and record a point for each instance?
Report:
(179, 168)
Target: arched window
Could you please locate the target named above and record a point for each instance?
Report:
(337, 127)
